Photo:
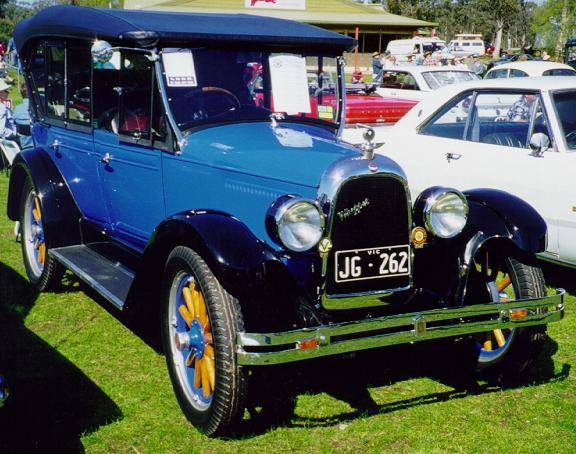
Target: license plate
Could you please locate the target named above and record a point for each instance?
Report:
(373, 263)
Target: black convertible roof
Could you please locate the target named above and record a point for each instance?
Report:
(148, 28)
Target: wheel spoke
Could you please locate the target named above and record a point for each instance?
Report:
(208, 338)
(36, 211)
(185, 314)
(500, 339)
(188, 298)
(504, 283)
(197, 373)
(209, 351)
(488, 342)
(211, 371)
(206, 390)
(190, 358)
(42, 253)
(202, 314)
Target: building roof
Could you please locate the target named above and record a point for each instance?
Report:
(321, 12)
(146, 28)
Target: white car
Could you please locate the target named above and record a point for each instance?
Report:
(517, 135)
(417, 82)
(533, 68)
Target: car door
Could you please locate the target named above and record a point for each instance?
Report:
(428, 153)
(497, 154)
(130, 160)
(60, 76)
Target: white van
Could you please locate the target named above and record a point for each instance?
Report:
(465, 45)
(401, 48)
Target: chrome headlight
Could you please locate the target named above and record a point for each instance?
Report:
(446, 213)
(295, 223)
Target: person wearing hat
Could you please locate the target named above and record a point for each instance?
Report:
(7, 125)
(21, 117)
(545, 56)
(377, 67)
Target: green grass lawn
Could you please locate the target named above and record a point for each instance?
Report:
(81, 380)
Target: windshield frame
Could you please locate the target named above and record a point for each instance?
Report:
(451, 70)
(181, 133)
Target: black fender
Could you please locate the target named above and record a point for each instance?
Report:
(60, 213)
(497, 219)
(245, 266)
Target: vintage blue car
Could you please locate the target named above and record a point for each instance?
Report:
(171, 180)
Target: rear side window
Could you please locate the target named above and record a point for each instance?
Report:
(37, 69)
(56, 72)
(559, 72)
(79, 97)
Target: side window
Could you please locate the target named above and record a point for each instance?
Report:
(159, 122)
(55, 92)
(136, 95)
(517, 73)
(106, 86)
(399, 80)
(497, 74)
(123, 96)
(505, 118)
(78, 66)
(452, 120)
(37, 69)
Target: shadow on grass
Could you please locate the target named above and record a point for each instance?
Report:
(349, 379)
(560, 276)
(52, 403)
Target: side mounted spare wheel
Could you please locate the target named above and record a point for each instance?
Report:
(200, 321)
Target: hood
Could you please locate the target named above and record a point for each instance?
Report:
(293, 153)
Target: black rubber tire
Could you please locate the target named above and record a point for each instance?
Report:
(51, 276)
(527, 343)
(227, 406)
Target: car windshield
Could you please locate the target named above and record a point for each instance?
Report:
(215, 86)
(565, 103)
(433, 47)
(437, 79)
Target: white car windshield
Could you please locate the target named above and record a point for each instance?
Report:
(565, 103)
(437, 79)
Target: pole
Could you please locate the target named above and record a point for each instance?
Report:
(356, 50)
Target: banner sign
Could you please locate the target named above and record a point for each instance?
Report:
(275, 4)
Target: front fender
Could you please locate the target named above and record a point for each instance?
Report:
(523, 224)
(245, 266)
(60, 214)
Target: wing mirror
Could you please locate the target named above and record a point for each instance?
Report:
(539, 143)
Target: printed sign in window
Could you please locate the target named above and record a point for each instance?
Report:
(289, 84)
(180, 69)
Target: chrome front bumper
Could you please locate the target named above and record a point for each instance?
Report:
(277, 348)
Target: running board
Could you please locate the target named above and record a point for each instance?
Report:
(110, 279)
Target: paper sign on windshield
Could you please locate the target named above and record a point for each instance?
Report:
(289, 84)
(180, 70)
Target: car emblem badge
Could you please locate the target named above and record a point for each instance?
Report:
(325, 246)
(419, 326)
(373, 167)
(353, 211)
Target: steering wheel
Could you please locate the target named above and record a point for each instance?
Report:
(201, 108)
(223, 91)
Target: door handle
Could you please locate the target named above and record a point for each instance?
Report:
(55, 144)
(453, 156)
(106, 159)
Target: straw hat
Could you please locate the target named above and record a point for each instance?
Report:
(375, 54)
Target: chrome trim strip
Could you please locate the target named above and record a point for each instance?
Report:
(412, 327)
(339, 173)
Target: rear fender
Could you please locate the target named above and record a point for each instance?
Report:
(60, 214)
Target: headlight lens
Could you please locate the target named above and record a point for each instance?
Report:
(300, 224)
(446, 214)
